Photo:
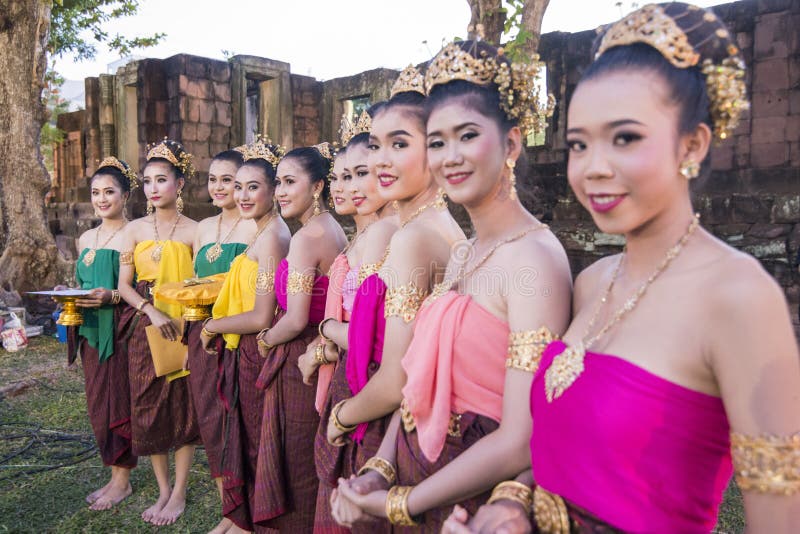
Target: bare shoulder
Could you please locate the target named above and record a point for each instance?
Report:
(593, 279)
(738, 284)
(86, 239)
(187, 223)
(378, 236)
(207, 224)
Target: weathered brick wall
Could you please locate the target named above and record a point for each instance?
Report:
(306, 102)
(752, 198)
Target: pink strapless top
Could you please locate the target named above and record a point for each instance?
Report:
(365, 337)
(334, 310)
(318, 295)
(455, 363)
(639, 452)
(349, 289)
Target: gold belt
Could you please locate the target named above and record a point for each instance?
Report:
(550, 512)
(453, 426)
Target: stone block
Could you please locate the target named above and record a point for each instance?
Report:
(769, 130)
(192, 109)
(199, 149)
(174, 131)
(199, 89)
(309, 99)
(794, 153)
(197, 67)
(173, 88)
(203, 132)
(188, 133)
(223, 114)
(206, 111)
(771, 6)
(220, 71)
(769, 154)
(221, 135)
(769, 231)
(771, 32)
(216, 148)
(742, 151)
(768, 248)
(793, 128)
(750, 209)
(305, 112)
(730, 232)
(222, 92)
(771, 103)
(794, 102)
(183, 84)
(786, 209)
(770, 74)
(161, 112)
(722, 158)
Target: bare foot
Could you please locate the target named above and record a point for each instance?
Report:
(172, 511)
(236, 530)
(151, 513)
(96, 494)
(111, 498)
(222, 527)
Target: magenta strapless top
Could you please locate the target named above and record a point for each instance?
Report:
(639, 452)
(318, 295)
(365, 337)
(349, 289)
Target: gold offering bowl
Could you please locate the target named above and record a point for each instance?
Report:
(70, 314)
(196, 295)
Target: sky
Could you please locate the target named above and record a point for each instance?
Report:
(321, 38)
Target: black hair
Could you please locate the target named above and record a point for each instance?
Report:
(231, 156)
(363, 137)
(317, 166)
(686, 87)
(264, 166)
(409, 103)
(483, 99)
(122, 181)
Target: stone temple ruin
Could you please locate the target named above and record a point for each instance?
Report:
(751, 200)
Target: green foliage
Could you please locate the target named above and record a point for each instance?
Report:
(72, 20)
(56, 105)
(514, 35)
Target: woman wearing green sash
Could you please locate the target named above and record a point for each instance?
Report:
(105, 362)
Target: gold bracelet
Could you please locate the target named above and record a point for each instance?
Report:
(261, 343)
(383, 467)
(321, 328)
(142, 304)
(319, 355)
(397, 506)
(205, 331)
(335, 418)
(513, 491)
(115, 296)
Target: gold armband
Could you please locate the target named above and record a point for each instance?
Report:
(767, 464)
(525, 349)
(366, 270)
(383, 467)
(126, 258)
(299, 283)
(513, 491)
(403, 301)
(265, 280)
(397, 506)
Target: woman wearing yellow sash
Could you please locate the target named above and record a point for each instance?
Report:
(246, 304)
(159, 250)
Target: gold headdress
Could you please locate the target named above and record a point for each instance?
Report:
(670, 29)
(261, 149)
(348, 130)
(327, 151)
(516, 82)
(122, 167)
(409, 81)
(161, 150)
(241, 149)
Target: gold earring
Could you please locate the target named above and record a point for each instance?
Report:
(512, 178)
(275, 205)
(331, 205)
(150, 207)
(441, 200)
(689, 169)
(395, 205)
(179, 201)
(317, 209)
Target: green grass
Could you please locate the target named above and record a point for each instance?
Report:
(53, 500)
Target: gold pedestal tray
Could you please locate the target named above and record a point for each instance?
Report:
(196, 295)
(70, 313)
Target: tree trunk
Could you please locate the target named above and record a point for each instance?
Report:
(532, 15)
(488, 14)
(29, 259)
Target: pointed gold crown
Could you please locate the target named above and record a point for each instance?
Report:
(327, 151)
(264, 149)
(241, 149)
(516, 82)
(183, 161)
(122, 167)
(659, 26)
(348, 130)
(409, 81)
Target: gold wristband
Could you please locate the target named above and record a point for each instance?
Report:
(319, 355)
(321, 328)
(261, 343)
(397, 506)
(142, 304)
(205, 331)
(513, 491)
(115, 297)
(335, 418)
(383, 467)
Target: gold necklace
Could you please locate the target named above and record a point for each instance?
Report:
(272, 215)
(568, 366)
(88, 259)
(215, 251)
(312, 216)
(352, 242)
(155, 255)
(446, 285)
(419, 212)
